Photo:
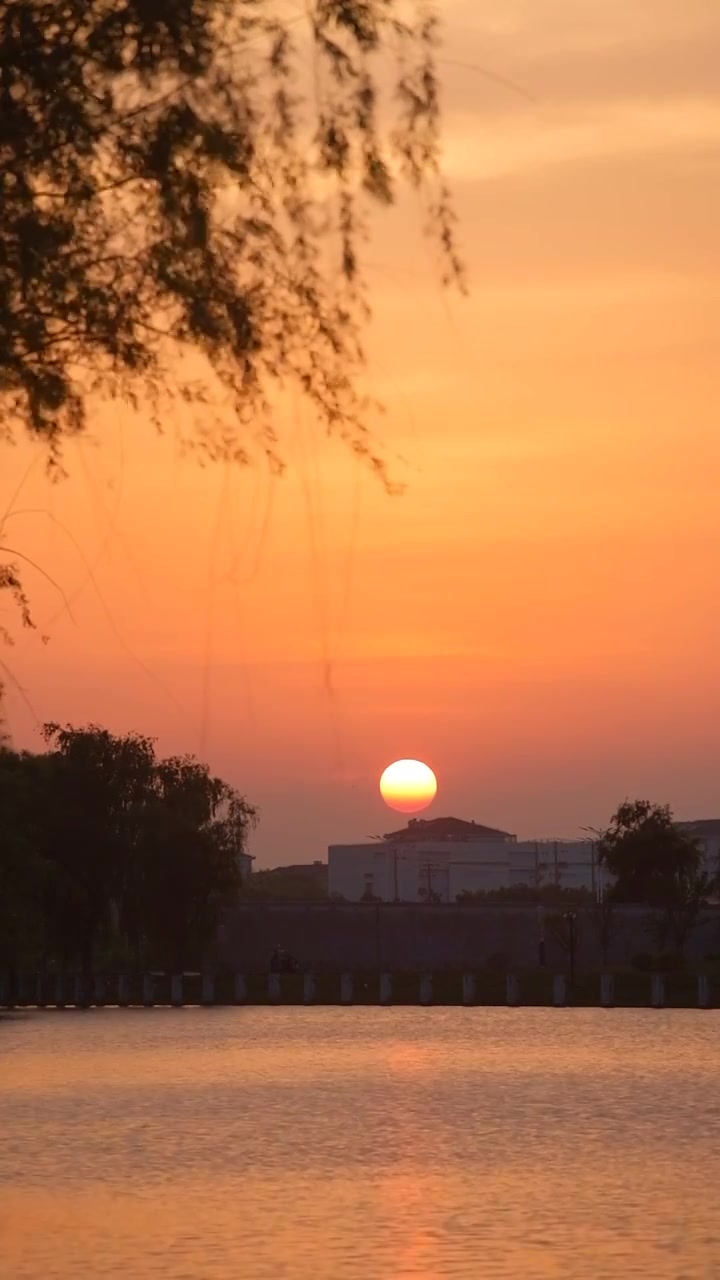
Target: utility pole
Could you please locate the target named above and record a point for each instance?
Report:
(427, 868)
(596, 865)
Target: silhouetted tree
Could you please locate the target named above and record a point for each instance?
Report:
(651, 860)
(183, 187)
(95, 785)
(681, 914)
(101, 842)
(190, 833)
(24, 874)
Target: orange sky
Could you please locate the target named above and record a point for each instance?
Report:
(537, 616)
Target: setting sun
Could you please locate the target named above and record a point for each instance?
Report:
(408, 786)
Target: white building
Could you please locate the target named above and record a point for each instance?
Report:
(439, 859)
(706, 833)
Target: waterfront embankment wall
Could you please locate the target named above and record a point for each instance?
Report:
(335, 937)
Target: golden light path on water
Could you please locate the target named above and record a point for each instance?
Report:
(359, 1144)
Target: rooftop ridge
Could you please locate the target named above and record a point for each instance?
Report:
(447, 828)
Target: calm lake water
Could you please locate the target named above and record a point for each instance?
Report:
(359, 1144)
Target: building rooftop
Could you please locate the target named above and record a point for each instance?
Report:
(446, 829)
(701, 827)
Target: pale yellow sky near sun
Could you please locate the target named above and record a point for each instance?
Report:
(537, 616)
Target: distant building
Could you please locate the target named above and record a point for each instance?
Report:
(313, 874)
(440, 858)
(245, 861)
(298, 881)
(706, 831)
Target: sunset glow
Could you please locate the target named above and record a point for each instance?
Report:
(408, 786)
(538, 612)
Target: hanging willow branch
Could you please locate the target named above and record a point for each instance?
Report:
(184, 186)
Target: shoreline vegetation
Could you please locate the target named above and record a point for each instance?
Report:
(112, 856)
(114, 860)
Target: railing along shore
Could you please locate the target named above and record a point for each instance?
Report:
(60, 991)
